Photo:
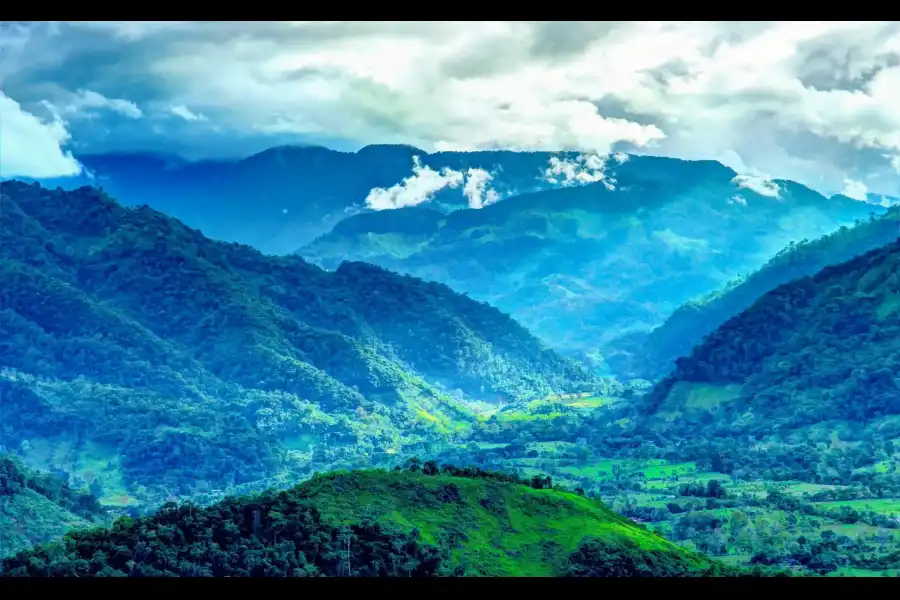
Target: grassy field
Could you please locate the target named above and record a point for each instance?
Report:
(886, 506)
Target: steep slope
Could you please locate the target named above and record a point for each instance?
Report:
(36, 508)
(281, 198)
(653, 355)
(819, 349)
(373, 523)
(580, 266)
(139, 354)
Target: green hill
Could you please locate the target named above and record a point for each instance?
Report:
(653, 355)
(149, 361)
(372, 523)
(819, 349)
(583, 265)
(37, 507)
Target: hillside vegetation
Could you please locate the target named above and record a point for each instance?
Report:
(581, 266)
(653, 355)
(374, 523)
(38, 507)
(144, 359)
(819, 348)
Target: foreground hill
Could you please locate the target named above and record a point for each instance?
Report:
(374, 523)
(580, 266)
(36, 508)
(653, 355)
(819, 349)
(140, 355)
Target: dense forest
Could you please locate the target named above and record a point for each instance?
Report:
(422, 522)
(652, 356)
(146, 360)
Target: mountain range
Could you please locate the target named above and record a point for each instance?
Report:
(583, 265)
(281, 198)
(139, 354)
(143, 362)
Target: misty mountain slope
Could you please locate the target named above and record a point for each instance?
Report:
(580, 266)
(137, 350)
(279, 199)
(820, 349)
(653, 355)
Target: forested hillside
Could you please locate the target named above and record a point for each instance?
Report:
(653, 355)
(817, 349)
(583, 265)
(146, 360)
(39, 507)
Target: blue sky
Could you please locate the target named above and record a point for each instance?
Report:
(815, 102)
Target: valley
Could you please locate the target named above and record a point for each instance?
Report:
(147, 370)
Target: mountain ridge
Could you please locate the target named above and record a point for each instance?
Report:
(133, 346)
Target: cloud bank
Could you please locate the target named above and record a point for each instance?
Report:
(30, 147)
(814, 102)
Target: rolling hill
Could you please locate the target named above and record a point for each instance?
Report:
(375, 523)
(149, 361)
(582, 265)
(652, 356)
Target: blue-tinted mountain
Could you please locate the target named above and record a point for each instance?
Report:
(281, 198)
(583, 265)
(653, 355)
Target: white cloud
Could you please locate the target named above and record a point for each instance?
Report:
(895, 161)
(855, 189)
(425, 182)
(761, 184)
(806, 101)
(30, 147)
(584, 168)
(478, 190)
(84, 100)
(420, 187)
(737, 199)
(187, 114)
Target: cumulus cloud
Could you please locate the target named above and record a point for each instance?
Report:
(584, 168)
(425, 182)
(419, 187)
(808, 101)
(478, 188)
(30, 147)
(855, 189)
(187, 114)
(738, 199)
(761, 184)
